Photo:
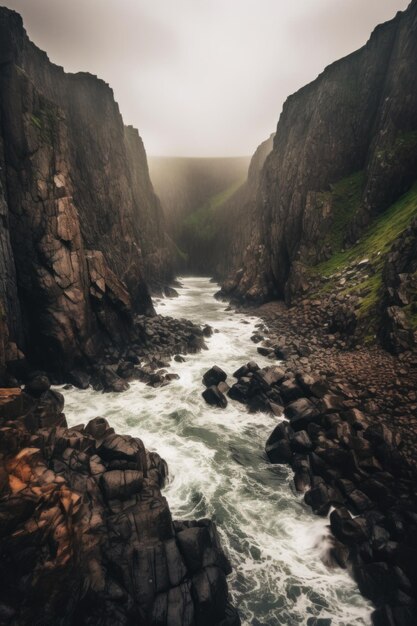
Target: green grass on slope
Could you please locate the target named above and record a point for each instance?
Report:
(344, 197)
(378, 237)
(376, 242)
(202, 223)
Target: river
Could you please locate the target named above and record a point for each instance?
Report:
(218, 469)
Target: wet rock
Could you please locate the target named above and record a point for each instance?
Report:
(207, 331)
(214, 376)
(263, 351)
(301, 442)
(213, 396)
(301, 412)
(122, 447)
(350, 531)
(279, 452)
(121, 484)
(170, 292)
(83, 525)
(38, 383)
(290, 391)
(79, 379)
(321, 497)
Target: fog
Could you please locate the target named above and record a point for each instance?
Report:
(202, 77)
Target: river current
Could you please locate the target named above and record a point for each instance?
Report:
(218, 469)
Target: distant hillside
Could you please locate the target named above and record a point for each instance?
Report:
(189, 188)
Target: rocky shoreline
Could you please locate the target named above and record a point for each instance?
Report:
(349, 438)
(86, 536)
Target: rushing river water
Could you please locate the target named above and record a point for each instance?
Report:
(218, 469)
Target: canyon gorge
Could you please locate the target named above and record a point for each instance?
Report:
(208, 366)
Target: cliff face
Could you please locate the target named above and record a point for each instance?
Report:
(358, 118)
(235, 223)
(81, 227)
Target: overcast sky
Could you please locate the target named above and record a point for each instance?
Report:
(202, 77)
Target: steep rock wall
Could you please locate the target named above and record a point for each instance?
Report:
(360, 115)
(76, 236)
(235, 230)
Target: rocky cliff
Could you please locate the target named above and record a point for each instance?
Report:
(345, 150)
(81, 227)
(235, 219)
(86, 536)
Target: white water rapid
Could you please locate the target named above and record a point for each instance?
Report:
(218, 469)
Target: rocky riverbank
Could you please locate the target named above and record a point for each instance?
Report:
(349, 436)
(154, 340)
(86, 536)
(384, 385)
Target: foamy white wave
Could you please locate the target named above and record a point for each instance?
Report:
(218, 469)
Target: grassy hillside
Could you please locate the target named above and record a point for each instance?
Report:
(202, 224)
(199, 232)
(191, 191)
(184, 184)
(338, 273)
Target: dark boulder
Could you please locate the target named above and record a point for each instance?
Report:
(214, 376)
(122, 447)
(279, 452)
(215, 397)
(301, 413)
(120, 484)
(290, 391)
(301, 442)
(350, 531)
(79, 379)
(37, 384)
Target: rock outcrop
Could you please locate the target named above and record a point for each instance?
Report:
(400, 292)
(86, 536)
(81, 231)
(358, 117)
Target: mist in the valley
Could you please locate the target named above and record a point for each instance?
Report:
(202, 77)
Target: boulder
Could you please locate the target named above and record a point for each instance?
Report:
(79, 379)
(279, 452)
(214, 376)
(348, 530)
(37, 384)
(121, 447)
(215, 397)
(121, 485)
(301, 442)
(301, 413)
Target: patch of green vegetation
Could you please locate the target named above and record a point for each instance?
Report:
(36, 121)
(378, 237)
(406, 139)
(374, 245)
(345, 197)
(202, 225)
(183, 256)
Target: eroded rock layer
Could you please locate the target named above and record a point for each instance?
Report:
(82, 231)
(86, 536)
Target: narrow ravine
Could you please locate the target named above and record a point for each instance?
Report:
(218, 469)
